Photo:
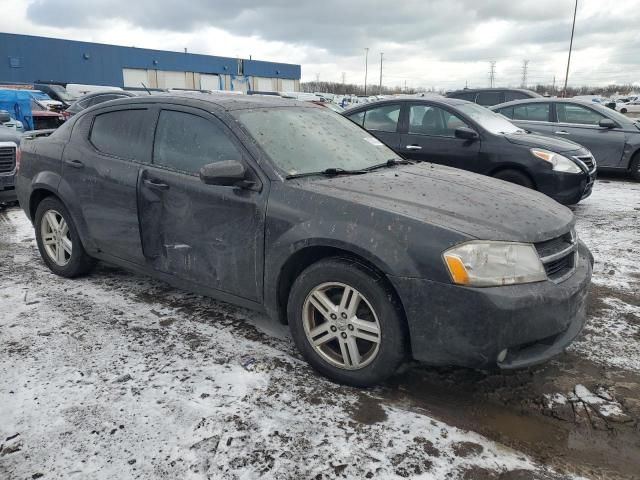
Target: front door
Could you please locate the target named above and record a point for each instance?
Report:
(206, 234)
(579, 124)
(430, 137)
(382, 122)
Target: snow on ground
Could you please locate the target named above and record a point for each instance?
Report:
(609, 223)
(115, 376)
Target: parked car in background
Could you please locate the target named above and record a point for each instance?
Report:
(56, 92)
(43, 118)
(78, 90)
(95, 98)
(285, 207)
(492, 96)
(629, 107)
(613, 138)
(46, 101)
(462, 134)
(9, 152)
(7, 121)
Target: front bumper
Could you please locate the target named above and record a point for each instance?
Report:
(470, 327)
(567, 188)
(7, 188)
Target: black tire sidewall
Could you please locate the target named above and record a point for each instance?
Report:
(79, 261)
(393, 345)
(515, 177)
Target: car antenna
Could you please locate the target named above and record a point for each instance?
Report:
(145, 87)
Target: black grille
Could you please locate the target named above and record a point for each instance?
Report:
(558, 256)
(559, 268)
(7, 159)
(588, 160)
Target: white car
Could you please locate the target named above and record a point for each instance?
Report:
(630, 107)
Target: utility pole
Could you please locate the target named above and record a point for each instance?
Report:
(553, 88)
(380, 88)
(366, 68)
(525, 66)
(573, 28)
(344, 77)
(492, 72)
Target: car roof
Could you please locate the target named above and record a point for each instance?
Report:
(442, 101)
(544, 100)
(223, 101)
(491, 89)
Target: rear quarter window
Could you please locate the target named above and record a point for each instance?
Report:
(122, 133)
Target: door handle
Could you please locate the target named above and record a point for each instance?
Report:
(562, 132)
(413, 147)
(156, 185)
(74, 163)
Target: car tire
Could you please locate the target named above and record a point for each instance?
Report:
(58, 240)
(634, 168)
(623, 110)
(366, 341)
(514, 176)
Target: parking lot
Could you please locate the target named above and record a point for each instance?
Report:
(117, 376)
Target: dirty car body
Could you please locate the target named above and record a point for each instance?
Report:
(252, 241)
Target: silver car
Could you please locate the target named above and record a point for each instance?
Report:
(613, 138)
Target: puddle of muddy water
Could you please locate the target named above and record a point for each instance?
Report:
(508, 409)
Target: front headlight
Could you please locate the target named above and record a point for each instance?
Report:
(558, 162)
(489, 264)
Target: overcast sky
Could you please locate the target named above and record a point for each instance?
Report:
(437, 43)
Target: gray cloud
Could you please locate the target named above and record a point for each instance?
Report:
(441, 30)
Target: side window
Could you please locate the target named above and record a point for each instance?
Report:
(383, 119)
(357, 118)
(507, 112)
(509, 96)
(101, 98)
(489, 98)
(536, 112)
(187, 142)
(470, 96)
(123, 133)
(434, 121)
(568, 113)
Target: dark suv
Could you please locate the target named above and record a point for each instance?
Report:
(492, 96)
(288, 208)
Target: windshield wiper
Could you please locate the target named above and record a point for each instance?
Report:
(329, 172)
(392, 162)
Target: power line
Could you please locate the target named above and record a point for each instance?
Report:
(573, 28)
(492, 72)
(525, 66)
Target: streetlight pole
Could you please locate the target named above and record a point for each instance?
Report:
(380, 88)
(573, 28)
(366, 67)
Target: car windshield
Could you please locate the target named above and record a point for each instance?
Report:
(489, 120)
(302, 140)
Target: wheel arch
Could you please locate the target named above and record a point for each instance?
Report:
(307, 256)
(517, 168)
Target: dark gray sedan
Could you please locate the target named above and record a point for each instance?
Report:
(288, 208)
(612, 138)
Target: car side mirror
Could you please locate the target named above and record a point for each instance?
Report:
(4, 117)
(465, 133)
(228, 173)
(607, 123)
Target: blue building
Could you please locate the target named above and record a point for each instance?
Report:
(29, 59)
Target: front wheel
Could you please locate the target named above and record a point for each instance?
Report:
(346, 322)
(635, 167)
(514, 176)
(58, 240)
(623, 110)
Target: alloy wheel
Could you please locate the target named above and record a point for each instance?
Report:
(341, 326)
(56, 237)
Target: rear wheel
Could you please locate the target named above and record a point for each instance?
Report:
(514, 176)
(346, 322)
(58, 240)
(623, 110)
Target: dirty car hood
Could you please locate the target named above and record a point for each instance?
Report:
(535, 140)
(476, 205)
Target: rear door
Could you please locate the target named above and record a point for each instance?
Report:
(207, 234)
(579, 123)
(101, 167)
(430, 136)
(533, 116)
(382, 121)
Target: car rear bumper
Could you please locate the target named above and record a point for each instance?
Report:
(472, 327)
